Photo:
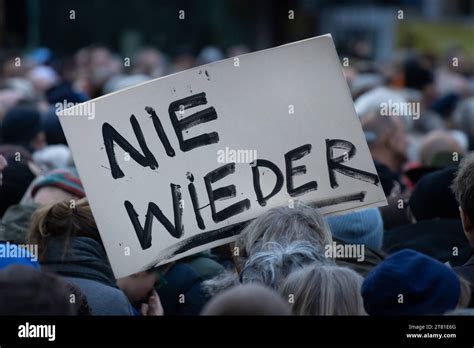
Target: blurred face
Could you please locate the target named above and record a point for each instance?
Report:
(467, 226)
(100, 56)
(398, 142)
(183, 62)
(430, 93)
(39, 142)
(3, 165)
(149, 58)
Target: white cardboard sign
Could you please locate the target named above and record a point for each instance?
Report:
(171, 165)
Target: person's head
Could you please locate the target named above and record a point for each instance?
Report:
(432, 197)
(359, 227)
(16, 178)
(22, 126)
(137, 286)
(248, 299)
(100, 56)
(3, 165)
(53, 157)
(420, 78)
(79, 300)
(298, 223)
(27, 291)
(184, 59)
(438, 147)
(268, 264)
(101, 66)
(43, 78)
(411, 283)
(463, 188)
(208, 55)
(52, 128)
(56, 186)
(324, 290)
(62, 221)
(149, 61)
(118, 82)
(387, 140)
(237, 50)
(463, 116)
(274, 262)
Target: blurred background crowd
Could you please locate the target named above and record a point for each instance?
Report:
(415, 53)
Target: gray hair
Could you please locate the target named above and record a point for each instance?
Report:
(270, 265)
(461, 311)
(463, 185)
(282, 225)
(324, 290)
(225, 280)
(275, 261)
(463, 115)
(436, 143)
(299, 223)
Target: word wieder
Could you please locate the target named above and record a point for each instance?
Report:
(145, 158)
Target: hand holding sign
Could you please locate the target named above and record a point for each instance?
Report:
(149, 158)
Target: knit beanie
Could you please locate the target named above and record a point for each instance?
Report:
(65, 179)
(359, 227)
(410, 283)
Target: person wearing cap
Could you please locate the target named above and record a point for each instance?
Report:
(22, 126)
(359, 227)
(411, 283)
(363, 227)
(57, 185)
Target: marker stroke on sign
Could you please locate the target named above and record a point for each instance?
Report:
(232, 230)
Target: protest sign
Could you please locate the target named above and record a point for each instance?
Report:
(172, 165)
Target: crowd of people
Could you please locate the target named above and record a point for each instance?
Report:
(413, 256)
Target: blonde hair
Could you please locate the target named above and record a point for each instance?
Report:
(62, 220)
(324, 290)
